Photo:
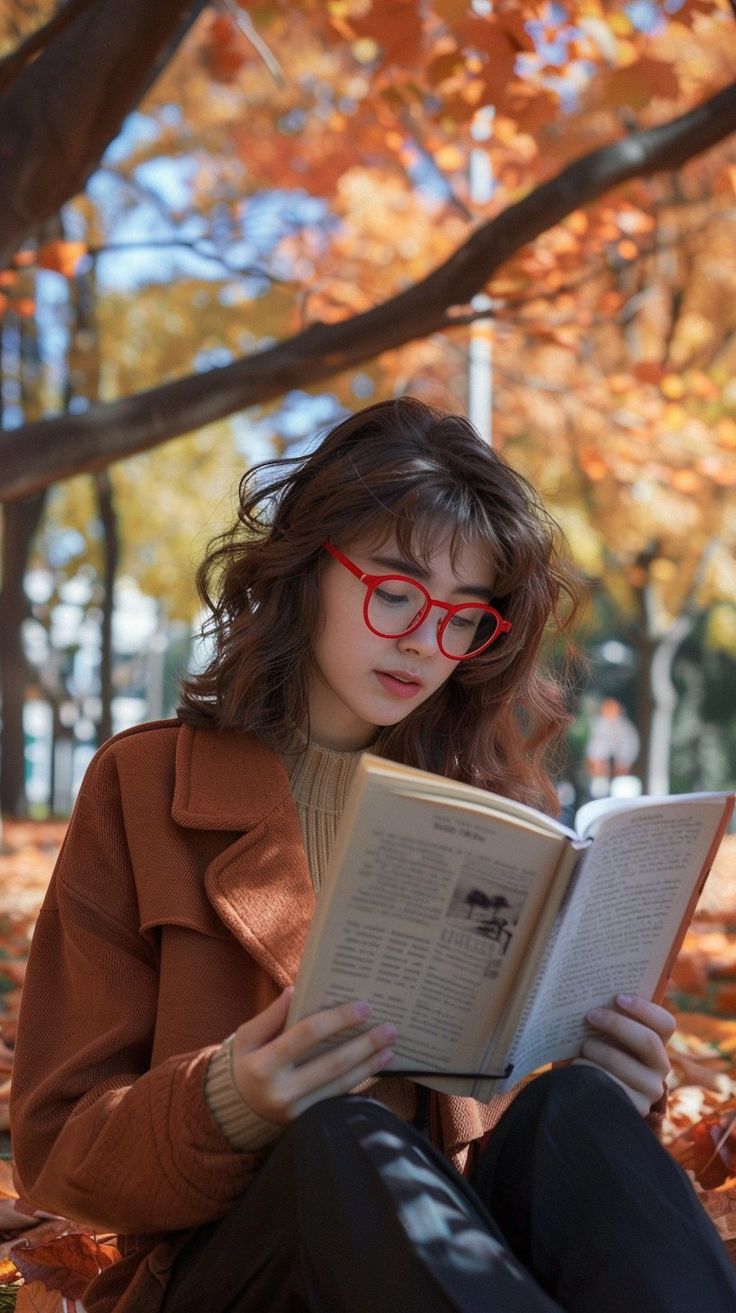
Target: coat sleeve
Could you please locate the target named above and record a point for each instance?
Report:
(98, 1135)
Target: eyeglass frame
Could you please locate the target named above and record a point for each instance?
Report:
(372, 581)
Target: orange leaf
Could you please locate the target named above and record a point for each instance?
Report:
(724, 1001)
(221, 28)
(690, 972)
(62, 257)
(637, 83)
(714, 1144)
(672, 387)
(726, 433)
(8, 1271)
(649, 371)
(619, 383)
(578, 222)
(223, 62)
(36, 1298)
(627, 249)
(67, 1263)
(686, 481)
(7, 1188)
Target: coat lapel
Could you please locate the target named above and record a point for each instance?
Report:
(259, 885)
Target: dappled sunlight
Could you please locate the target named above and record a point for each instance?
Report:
(428, 1209)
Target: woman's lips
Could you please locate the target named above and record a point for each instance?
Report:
(399, 686)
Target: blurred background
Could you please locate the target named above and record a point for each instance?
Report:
(206, 185)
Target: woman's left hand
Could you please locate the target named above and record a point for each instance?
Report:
(630, 1044)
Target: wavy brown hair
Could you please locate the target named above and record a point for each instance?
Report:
(401, 468)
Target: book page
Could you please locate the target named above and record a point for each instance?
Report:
(589, 817)
(424, 784)
(428, 919)
(624, 910)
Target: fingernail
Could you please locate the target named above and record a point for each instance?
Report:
(363, 1010)
(595, 1014)
(387, 1034)
(385, 1056)
(626, 1000)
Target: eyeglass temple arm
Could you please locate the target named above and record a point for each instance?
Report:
(334, 551)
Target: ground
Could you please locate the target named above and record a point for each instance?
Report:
(45, 1263)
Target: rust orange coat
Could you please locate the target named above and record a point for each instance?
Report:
(178, 909)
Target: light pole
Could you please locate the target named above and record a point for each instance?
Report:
(480, 352)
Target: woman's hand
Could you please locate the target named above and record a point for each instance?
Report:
(268, 1061)
(630, 1044)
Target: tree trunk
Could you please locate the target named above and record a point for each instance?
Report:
(663, 702)
(644, 647)
(20, 521)
(109, 517)
(656, 696)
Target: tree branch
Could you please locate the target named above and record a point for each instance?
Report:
(37, 454)
(64, 108)
(13, 63)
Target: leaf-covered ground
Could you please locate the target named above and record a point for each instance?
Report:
(46, 1262)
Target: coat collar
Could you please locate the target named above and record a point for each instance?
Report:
(259, 885)
(226, 780)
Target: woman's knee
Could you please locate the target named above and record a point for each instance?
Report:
(575, 1101)
(578, 1084)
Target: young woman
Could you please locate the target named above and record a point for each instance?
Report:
(390, 591)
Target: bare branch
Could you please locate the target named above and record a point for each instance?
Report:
(197, 248)
(37, 454)
(251, 34)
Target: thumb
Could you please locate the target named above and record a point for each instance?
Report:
(266, 1025)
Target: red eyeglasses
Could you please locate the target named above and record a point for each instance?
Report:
(395, 605)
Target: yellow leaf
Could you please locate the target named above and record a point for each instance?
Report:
(686, 481)
(726, 433)
(672, 387)
(578, 222)
(450, 157)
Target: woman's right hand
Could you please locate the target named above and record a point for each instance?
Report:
(268, 1061)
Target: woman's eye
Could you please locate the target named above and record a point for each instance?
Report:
(393, 599)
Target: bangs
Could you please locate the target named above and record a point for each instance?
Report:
(430, 516)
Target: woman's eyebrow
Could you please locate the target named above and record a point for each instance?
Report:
(418, 572)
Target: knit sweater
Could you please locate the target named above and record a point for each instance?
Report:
(319, 779)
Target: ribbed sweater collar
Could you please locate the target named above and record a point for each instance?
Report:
(319, 777)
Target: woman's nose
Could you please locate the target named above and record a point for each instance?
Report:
(423, 639)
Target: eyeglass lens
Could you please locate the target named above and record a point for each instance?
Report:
(395, 607)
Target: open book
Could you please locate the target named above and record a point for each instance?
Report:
(485, 930)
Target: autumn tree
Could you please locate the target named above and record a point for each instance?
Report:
(361, 122)
(404, 87)
(637, 417)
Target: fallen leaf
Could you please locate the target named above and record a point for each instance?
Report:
(8, 1271)
(35, 1298)
(710, 1150)
(66, 1263)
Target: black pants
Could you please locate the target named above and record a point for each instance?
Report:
(573, 1206)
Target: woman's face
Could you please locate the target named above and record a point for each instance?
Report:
(359, 682)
